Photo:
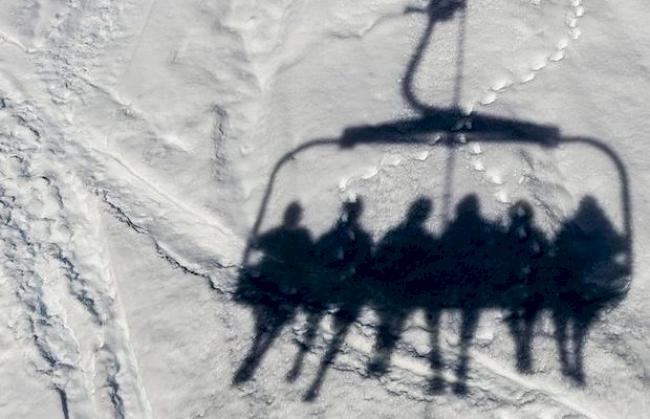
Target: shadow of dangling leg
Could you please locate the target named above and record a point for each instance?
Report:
(578, 343)
(269, 322)
(515, 324)
(467, 331)
(561, 323)
(436, 382)
(344, 319)
(525, 357)
(388, 333)
(581, 325)
(522, 325)
(313, 320)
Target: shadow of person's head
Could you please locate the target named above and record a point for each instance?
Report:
(590, 217)
(469, 206)
(419, 211)
(352, 211)
(292, 215)
(521, 213)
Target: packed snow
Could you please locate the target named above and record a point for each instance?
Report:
(293, 208)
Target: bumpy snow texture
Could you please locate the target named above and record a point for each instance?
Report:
(332, 209)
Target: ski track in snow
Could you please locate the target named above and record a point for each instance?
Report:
(52, 240)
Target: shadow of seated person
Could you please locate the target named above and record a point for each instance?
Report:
(401, 252)
(468, 251)
(527, 281)
(588, 278)
(276, 286)
(337, 256)
(341, 255)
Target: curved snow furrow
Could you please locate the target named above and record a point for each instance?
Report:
(25, 261)
(122, 381)
(208, 244)
(167, 255)
(194, 215)
(51, 239)
(113, 372)
(35, 194)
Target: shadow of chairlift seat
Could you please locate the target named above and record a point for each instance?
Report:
(438, 127)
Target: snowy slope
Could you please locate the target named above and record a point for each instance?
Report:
(142, 143)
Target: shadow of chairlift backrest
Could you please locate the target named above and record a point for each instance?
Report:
(437, 127)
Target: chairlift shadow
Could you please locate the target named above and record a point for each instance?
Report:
(473, 266)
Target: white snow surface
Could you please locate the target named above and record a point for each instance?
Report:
(137, 140)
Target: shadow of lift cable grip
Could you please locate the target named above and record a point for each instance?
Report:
(474, 265)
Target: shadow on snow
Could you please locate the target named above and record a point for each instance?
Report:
(473, 266)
